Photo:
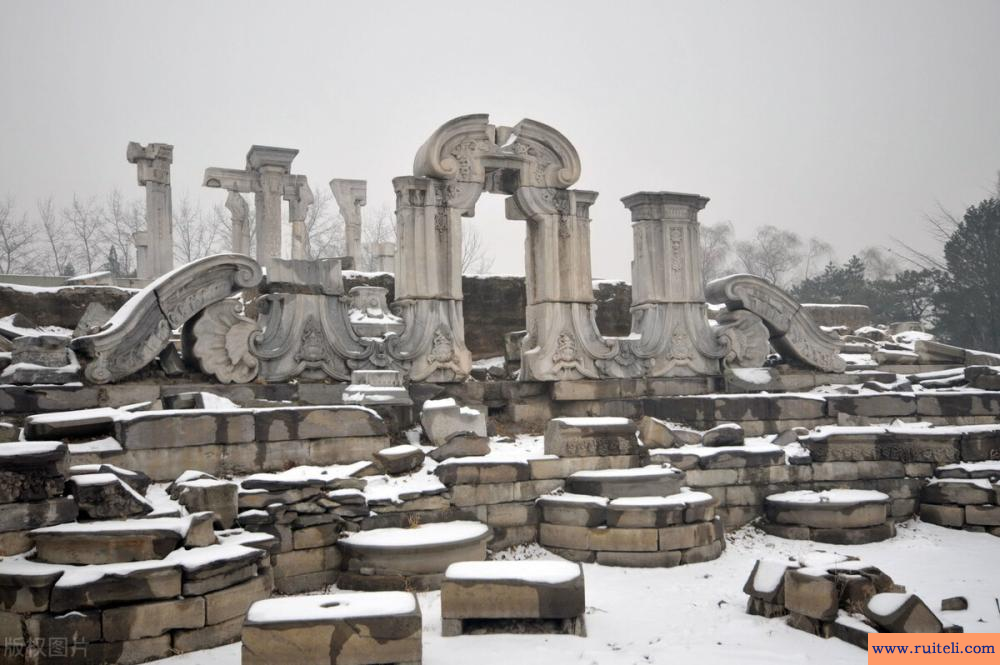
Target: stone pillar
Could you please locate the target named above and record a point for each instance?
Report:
(153, 162)
(240, 212)
(668, 296)
(143, 269)
(563, 342)
(350, 196)
(299, 197)
(385, 256)
(271, 166)
(429, 282)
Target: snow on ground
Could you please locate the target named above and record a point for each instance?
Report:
(696, 613)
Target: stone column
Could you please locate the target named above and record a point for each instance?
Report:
(563, 342)
(385, 256)
(350, 196)
(299, 197)
(143, 269)
(271, 166)
(429, 282)
(240, 212)
(153, 162)
(668, 296)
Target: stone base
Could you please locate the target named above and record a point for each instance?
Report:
(456, 627)
(844, 536)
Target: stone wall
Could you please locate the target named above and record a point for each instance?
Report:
(495, 304)
(62, 306)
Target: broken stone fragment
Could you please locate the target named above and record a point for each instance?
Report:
(656, 433)
(444, 417)
(398, 460)
(954, 604)
(461, 444)
(901, 613)
(106, 496)
(727, 434)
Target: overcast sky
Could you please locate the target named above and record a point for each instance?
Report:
(850, 121)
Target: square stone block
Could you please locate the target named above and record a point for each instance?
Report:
(513, 590)
(336, 629)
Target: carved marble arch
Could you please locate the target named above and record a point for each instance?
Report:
(473, 156)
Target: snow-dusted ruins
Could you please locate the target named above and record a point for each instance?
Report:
(330, 466)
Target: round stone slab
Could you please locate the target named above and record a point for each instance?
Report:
(354, 628)
(655, 480)
(828, 509)
(425, 550)
(657, 511)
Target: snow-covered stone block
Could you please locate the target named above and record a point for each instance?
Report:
(444, 417)
(367, 628)
(511, 590)
(591, 437)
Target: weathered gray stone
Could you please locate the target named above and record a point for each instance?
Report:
(272, 633)
(443, 418)
(513, 590)
(132, 622)
(836, 509)
(25, 516)
(210, 495)
(958, 491)
(811, 593)
(573, 511)
(953, 516)
(955, 604)
(728, 434)
(221, 606)
(590, 437)
(618, 483)
(767, 580)
(106, 496)
(461, 444)
(121, 584)
(901, 613)
(656, 433)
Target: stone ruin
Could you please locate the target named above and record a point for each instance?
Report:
(179, 463)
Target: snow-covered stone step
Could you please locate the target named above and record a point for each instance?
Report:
(524, 590)
(367, 629)
(415, 558)
(654, 480)
(121, 541)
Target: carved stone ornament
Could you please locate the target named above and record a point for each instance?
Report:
(140, 330)
(745, 336)
(309, 337)
(219, 341)
(794, 333)
(467, 148)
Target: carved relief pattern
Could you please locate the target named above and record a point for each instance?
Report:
(220, 342)
(140, 331)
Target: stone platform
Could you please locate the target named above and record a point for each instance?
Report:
(513, 596)
(632, 527)
(339, 629)
(414, 559)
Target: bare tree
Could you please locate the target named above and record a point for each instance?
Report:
(121, 220)
(476, 260)
(83, 221)
(817, 256)
(55, 239)
(324, 226)
(197, 235)
(879, 264)
(17, 238)
(378, 227)
(772, 253)
(716, 249)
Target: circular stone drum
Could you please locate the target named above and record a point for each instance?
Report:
(838, 516)
(412, 559)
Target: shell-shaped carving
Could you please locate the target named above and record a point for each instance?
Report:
(221, 345)
(746, 337)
